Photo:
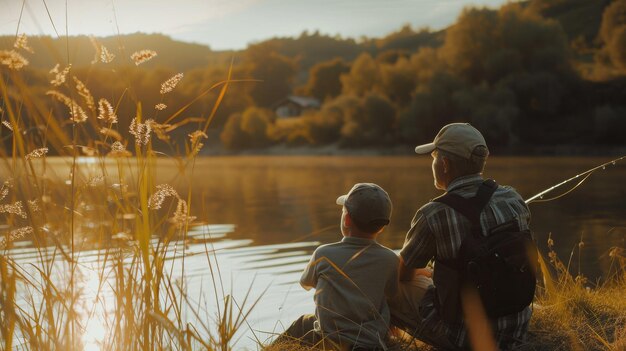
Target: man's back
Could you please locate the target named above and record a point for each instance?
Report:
(438, 231)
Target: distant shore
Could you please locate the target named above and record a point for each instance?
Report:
(400, 150)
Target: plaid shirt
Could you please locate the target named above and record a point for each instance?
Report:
(437, 231)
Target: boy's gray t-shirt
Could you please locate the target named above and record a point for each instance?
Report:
(353, 279)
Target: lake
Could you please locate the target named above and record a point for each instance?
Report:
(261, 217)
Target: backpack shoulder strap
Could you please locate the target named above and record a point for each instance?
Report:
(473, 206)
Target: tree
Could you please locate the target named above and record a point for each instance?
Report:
(247, 129)
(232, 136)
(488, 45)
(364, 75)
(324, 79)
(613, 33)
(398, 81)
(368, 120)
(254, 123)
(274, 71)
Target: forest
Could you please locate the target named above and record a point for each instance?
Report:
(533, 76)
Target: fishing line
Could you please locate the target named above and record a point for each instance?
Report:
(539, 197)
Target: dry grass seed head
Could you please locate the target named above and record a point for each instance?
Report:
(141, 131)
(106, 112)
(37, 153)
(160, 130)
(142, 56)
(33, 205)
(77, 114)
(21, 42)
(106, 56)
(84, 93)
(59, 76)
(14, 235)
(111, 133)
(95, 181)
(195, 139)
(160, 106)
(119, 150)
(158, 197)
(12, 59)
(171, 83)
(102, 53)
(181, 217)
(15, 208)
(8, 125)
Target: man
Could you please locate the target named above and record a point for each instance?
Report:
(459, 154)
(353, 278)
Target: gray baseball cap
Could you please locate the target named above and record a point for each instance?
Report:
(368, 204)
(460, 139)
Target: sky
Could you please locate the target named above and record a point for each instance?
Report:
(228, 24)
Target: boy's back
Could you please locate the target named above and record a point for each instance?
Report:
(353, 279)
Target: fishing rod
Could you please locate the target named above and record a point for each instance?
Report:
(582, 176)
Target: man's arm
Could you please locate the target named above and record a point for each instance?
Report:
(419, 248)
(407, 273)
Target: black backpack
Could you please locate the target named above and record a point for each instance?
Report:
(501, 266)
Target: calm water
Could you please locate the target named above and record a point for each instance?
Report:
(265, 215)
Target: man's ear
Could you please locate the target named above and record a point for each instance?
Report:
(446, 164)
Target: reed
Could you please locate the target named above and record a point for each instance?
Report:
(101, 260)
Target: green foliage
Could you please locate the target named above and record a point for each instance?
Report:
(409, 40)
(368, 120)
(480, 44)
(613, 19)
(398, 81)
(324, 79)
(312, 48)
(431, 108)
(613, 33)
(248, 129)
(274, 71)
(364, 75)
(232, 136)
(325, 125)
(609, 124)
(579, 18)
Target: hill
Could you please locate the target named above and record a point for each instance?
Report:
(177, 55)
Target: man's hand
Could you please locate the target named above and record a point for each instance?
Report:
(427, 272)
(407, 273)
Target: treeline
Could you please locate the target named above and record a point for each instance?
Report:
(513, 73)
(542, 72)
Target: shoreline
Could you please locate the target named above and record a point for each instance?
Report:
(406, 150)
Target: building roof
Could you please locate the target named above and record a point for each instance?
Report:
(303, 101)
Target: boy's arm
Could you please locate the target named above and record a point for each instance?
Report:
(309, 276)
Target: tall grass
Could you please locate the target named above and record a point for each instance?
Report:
(572, 313)
(105, 253)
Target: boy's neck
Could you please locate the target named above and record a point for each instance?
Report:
(362, 235)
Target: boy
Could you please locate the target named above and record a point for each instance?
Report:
(353, 278)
